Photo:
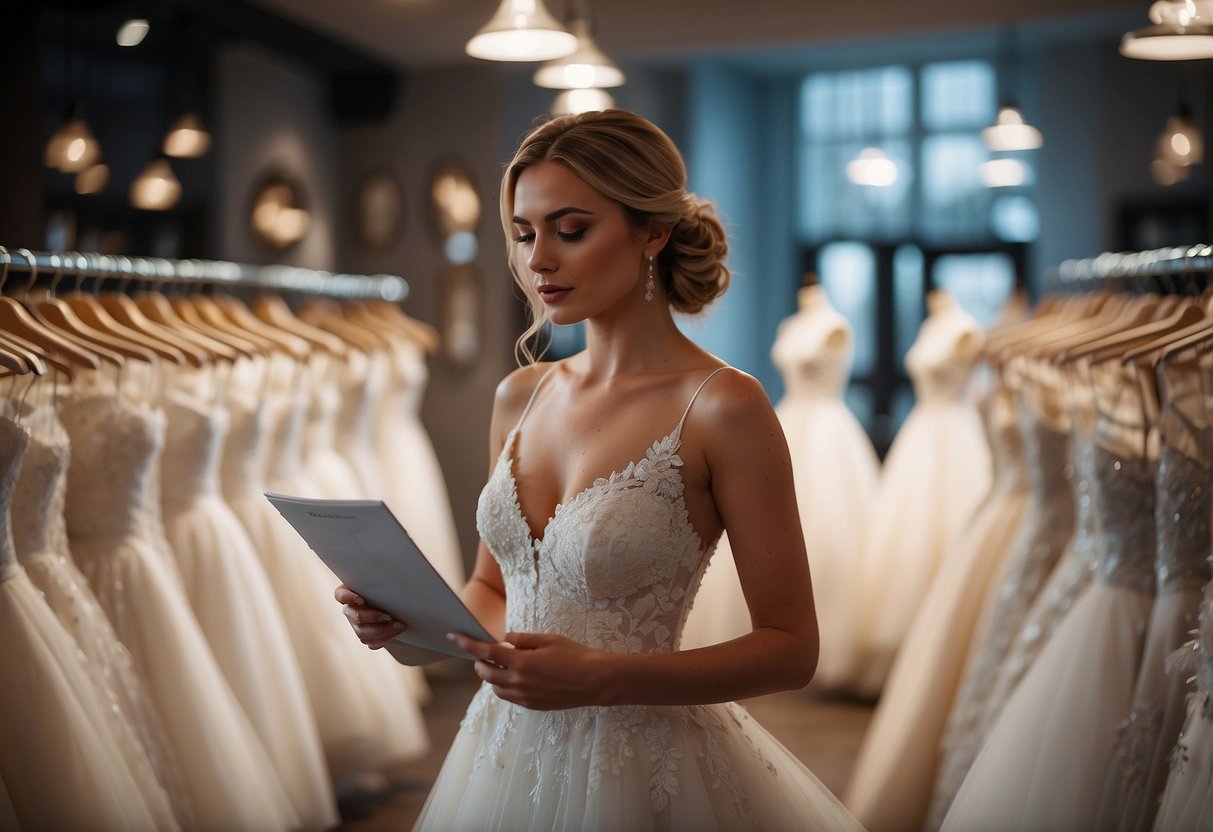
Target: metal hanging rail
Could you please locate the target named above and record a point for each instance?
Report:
(1174, 261)
(67, 264)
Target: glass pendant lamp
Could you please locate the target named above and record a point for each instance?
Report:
(1179, 30)
(587, 67)
(521, 30)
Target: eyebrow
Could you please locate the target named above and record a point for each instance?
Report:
(555, 215)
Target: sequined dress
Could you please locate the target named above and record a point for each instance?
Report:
(890, 786)
(1045, 760)
(615, 570)
(116, 537)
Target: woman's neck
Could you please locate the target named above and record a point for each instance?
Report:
(638, 342)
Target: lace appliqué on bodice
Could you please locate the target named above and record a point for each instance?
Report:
(615, 569)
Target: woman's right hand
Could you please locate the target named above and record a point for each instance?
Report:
(374, 628)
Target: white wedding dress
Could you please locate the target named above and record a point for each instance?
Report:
(1046, 759)
(1149, 732)
(890, 786)
(936, 472)
(615, 570)
(237, 607)
(116, 537)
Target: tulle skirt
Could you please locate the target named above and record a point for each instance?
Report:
(890, 788)
(1187, 803)
(1046, 759)
(623, 769)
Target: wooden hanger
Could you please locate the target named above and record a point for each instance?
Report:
(423, 334)
(16, 320)
(16, 360)
(325, 314)
(1117, 347)
(273, 310)
(1134, 312)
(126, 312)
(236, 311)
(207, 319)
(157, 308)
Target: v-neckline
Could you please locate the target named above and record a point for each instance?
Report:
(507, 454)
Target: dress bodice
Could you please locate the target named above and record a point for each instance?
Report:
(814, 356)
(115, 447)
(617, 564)
(1086, 518)
(1006, 442)
(245, 453)
(1125, 505)
(1046, 452)
(411, 378)
(189, 466)
(13, 442)
(39, 526)
(939, 373)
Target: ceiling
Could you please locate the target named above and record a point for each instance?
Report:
(431, 33)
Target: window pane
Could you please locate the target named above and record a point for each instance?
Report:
(958, 94)
(954, 198)
(981, 283)
(834, 206)
(864, 104)
(908, 299)
(848, 275)
(1014, 218)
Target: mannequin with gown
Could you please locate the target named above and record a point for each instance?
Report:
(937, 470)
(116, 535)
(60, 763)
(1046, 759)
(835, 471)
(890, 786)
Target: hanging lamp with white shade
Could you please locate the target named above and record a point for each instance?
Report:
(1010, 132)
(187, 138)
(1181, 142)
(521, 30)
(73, 147)
(571, 102)
(587, 67)
(1179, 30)
(157, 187)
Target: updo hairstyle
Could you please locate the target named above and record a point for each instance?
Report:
(630, 160)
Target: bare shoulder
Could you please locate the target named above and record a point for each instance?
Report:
(732, 400)
(514, 391)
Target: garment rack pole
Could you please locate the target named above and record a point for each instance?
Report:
(279, 278)
(1173, 261)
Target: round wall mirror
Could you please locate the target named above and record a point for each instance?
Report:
(454, 201)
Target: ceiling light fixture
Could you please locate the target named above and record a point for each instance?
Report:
(132, 32)
(157, 187)
(872, 168)
(587, 67)
(187, 138)
(92, 180)
(521, 30)
(1181, 142)
(1003, 173)
(571, 102)
(1179, 30)
(73, 147)
(1010, 132)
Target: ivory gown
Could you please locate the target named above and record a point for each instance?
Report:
(937, 470)
(1046, 759)
(116, 536)
(615, 569)
(890, 786)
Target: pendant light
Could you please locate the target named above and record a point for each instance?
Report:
(1179, 30)
(92, 180)
(521, 30)
(1181, 142)
(571, 102)
(157, 187)
(187, 138)
(872, 168)
(1003, 173)
(1010, 132)
(587, 67)
(73, 147)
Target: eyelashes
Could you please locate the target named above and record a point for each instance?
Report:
(566, 236)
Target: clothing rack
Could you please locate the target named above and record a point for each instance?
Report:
(74, 264)
(1155, 268)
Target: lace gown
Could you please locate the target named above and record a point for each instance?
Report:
(117, 540)
(237, 607)
(1045, 761)
(615, 570)
(890, 787)
(933, 477)
(1149, 732)
(40, 538)
(59, 763)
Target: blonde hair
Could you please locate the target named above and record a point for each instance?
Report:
(630, 160)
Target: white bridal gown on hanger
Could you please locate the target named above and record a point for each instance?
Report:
(116, 535)
(890, 787)
(1046, 759)
(60, 760)
(936, 472)
(615, 570)
(835, 470)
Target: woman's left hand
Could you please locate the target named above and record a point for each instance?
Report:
(540, 671)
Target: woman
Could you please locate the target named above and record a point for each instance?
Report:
(590, 717)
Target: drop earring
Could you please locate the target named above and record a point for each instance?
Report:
(650, 284)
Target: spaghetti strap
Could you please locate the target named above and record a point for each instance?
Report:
(535, 393)
(694, 396)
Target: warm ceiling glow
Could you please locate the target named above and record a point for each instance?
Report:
(72, 147)
(132, 32)
(187, 138)
(156, 188)
(1181, 142)
(92, 180)
(571, 102)
(587, 67)
(521, 30)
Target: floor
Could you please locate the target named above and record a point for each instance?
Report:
(824, 733)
